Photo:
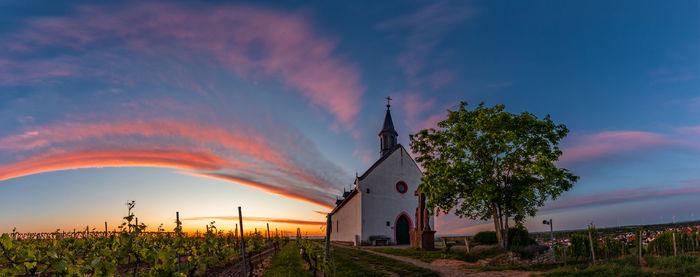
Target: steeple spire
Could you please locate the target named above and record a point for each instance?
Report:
(388, 135)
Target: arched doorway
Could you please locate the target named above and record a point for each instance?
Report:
(402, 227)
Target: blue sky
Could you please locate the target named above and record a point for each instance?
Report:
(203, 107)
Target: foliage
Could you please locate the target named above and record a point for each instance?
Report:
(128, 251)
(313, 255)
(685, 265)
(618, 267)
(682, 265)
(519, 236)
(685, 242)
(486, 238)
(490, 164)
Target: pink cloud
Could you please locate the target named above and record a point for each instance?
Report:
(604, 144)
(172, 158)
(284, 163)
(252, 42)
(364, 155)
(689, 130)
(617, 197)
(426, 28)
(421, 113)
(260, 219)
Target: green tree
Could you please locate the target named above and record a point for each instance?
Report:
(490, 164)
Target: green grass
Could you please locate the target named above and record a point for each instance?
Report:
(431, 255)
(683, 265)
(287, 262)
(351, 262)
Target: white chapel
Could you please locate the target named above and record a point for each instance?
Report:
(382, 206)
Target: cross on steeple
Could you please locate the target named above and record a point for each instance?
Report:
(388, 102)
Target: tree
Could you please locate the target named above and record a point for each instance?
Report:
(490, 164)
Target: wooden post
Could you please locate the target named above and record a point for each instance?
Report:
(269, 241)
(328, 236)
(675, 252)
(466, 243)
(177, 224)
(590, 239)
(105, 228)
(640, 247)
(565, 253)
(240, 220)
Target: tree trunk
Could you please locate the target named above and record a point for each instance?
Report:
(505, 233)
(496, 223)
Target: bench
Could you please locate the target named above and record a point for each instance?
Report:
(448, 242)
(379, 240)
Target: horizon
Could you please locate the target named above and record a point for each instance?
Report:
(274, 106)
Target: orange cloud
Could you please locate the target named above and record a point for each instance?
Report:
(260, 219)
(289, 192)
(111, 158)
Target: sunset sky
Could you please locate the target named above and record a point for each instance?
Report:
(201, 107)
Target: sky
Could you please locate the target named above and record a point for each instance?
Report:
(202, 107)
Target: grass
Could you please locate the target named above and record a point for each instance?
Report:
(351, 262)
(683, 265)
(287, 262)
(542, 267)
(431, 255)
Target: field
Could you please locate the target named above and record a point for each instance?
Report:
(125, 253)
(131, 251)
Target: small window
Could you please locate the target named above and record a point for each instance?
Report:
(401, 187)
(367, 190)
(387, 224)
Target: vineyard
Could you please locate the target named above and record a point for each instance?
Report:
(130, 251)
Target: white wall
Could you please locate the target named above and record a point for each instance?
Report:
(347, 221)
(384, 203)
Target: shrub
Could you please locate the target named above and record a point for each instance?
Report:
(519, 236)
(486, 238)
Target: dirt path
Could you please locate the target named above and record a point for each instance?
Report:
(442, 270)
(449, 267)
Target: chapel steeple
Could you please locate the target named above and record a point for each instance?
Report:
(388, 135)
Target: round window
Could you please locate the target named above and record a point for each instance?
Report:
(401, 187)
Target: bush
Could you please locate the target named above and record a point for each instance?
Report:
(486, 238)
(519, 236)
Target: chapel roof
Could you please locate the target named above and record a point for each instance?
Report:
(388, 125)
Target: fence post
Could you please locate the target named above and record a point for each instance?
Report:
(640, 247)
(240, 220)
(675, 251)
(269, 241)
(466, 243)
(328, 236)
(591, 243)
(177, 226)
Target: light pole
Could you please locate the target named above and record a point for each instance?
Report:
(551, 229)
(551, 232)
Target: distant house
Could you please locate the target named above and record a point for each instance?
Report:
(383, 201)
